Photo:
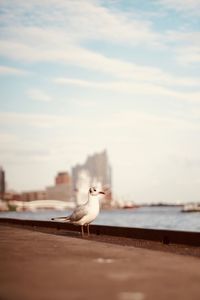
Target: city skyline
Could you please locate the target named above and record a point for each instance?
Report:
(68, 185)
(77, 77)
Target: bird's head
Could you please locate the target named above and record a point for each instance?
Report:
(93, 191)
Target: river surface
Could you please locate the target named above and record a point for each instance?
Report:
(143, 217)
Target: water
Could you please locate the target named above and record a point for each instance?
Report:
(143, 217)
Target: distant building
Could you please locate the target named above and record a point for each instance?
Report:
(63, 178)
(2, 183)
(62, 189)
(95, 171)
(11, 195)
(33, 195)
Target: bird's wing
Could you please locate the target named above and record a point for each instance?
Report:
(60, 219)
(78, 213)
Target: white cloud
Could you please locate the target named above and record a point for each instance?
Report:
(51, 42)
(34, 44)
(188, 55)
(150, 123)
(123, 119)
(33, 120)
(4, 70)
(93, 21)
(137, 87)
(144, 73)
(186, 46)
(182, 6)
(90, 20)
(76, 82)
(7, 138)
(38, 95)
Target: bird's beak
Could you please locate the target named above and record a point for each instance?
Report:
(102, 193)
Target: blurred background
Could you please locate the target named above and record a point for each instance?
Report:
(101, 93)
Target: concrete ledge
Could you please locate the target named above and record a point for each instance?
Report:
(156, 235)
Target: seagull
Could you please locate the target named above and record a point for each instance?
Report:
(86, 213)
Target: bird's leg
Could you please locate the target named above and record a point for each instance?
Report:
(88, 229)
(82, 230)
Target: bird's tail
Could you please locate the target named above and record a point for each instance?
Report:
(66, 219)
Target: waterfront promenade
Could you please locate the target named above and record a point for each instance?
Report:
(45, 266)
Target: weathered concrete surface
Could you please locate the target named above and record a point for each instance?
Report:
(35, 265)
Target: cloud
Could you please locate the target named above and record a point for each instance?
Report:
(186, 46)
(82, 22)
(137, 87)
(14, 149)
(187, 7)
(19, 155)
(7, 138)
(47, 45)
(188, 55)
(4, 70)
(56, 32)
(137, 74)
(33, 120)
(76, 82)
(150, 123)
(123, 119)
(38, 95)
(59, 35)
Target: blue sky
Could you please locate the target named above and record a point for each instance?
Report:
(77, 77)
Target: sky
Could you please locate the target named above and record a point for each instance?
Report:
(81, 76)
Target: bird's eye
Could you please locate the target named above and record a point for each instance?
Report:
(94, 190)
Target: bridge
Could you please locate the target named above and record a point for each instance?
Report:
(41, 204)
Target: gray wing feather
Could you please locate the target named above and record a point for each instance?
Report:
(78, 213)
